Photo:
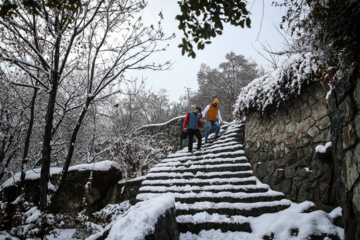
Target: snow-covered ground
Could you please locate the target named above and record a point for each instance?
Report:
(292, 223)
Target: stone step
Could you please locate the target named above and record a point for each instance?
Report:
(198, 175)
(196, 228)
(224, 150)
(210, 148)
(209, 188)
(198, 155)
(201, 182)
(213, 161)
(204, 168)
(224, 208)
(218, 197)
(204, 221)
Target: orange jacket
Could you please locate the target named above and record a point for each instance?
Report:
(212, 113)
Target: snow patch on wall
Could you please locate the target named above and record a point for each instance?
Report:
(276, 87)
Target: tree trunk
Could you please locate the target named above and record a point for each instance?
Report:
(46, 148)
(71, 149)
(27, 142)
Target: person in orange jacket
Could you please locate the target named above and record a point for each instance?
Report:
(191, 125)
(213, 118)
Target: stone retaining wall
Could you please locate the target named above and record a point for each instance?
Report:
(172, 130)
(281, 148)
(344, 112)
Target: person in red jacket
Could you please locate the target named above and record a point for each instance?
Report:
(191, 125)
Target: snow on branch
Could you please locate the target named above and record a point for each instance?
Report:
(270, 91)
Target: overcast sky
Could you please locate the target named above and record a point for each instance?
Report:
(241, 41)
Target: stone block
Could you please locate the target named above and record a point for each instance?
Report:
(263, 157)
(319, 111)
(312, 101)
(256, 146)
(350, 171)
(302, 141)
(285, 186)
(271, 125)
(166, 227)
(290, 128)
(357, 125)
(348, 109)
(323, 123)
(260, 171)
(264, 147)
(307, 124)
(356, 199)
(290, 171)
(349, 136)
(313, 131)
(296, 115)
(282, 112)
(357, 93)
(267, 136)
(248, 144)
(277, 176)
(306, 113)
(343, 88)
(249, 154)
(292, 157)
(324, 136)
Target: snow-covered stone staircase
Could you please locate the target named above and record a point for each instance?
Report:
(214, 188)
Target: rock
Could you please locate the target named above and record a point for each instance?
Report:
(302, 141)
(256, 146)
(343, 88)
(296, 115)
(319, 111)
(166, 227)
(357, 93)
(285, 186)
(261, 171)
(357, 125)
(312, 101)
(324, 123)
(313, 131)
(290, 128)
(306, 113)
(349, 136)
(351, 172)
(292, 157)
(307, 124)
(127, 191)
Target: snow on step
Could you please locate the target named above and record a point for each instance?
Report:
(226, 205)
(205, 154)
(224, 194)
(202, 161)
(195, 167)
(199, 181)
(197, 174)
(203, 217)
(190, 188)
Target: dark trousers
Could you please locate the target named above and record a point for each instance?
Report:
(191, 133)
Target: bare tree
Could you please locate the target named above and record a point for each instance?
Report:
(99, 41)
